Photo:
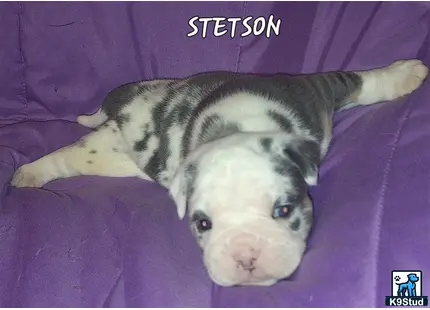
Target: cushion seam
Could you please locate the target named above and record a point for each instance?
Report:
(240, 46)
(381, 200)
(22, 60)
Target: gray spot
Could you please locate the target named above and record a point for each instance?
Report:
(93, 151)
(295, 225)
(185, 110)
(118, 98)
(305, 154)
(208, 123)
(191, 175)
(214, 127)
(114, 149)
(281, 120)
(291, 175)
(266, 143)
(122, 119)
(89, 161)
(308, 216)
(343, 85)
(114, 130)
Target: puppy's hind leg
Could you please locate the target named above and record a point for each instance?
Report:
(391, 82)
(102, 153)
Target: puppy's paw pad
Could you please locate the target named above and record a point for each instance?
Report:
(407, 76)
(25, 177)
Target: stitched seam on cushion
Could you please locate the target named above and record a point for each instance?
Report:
(22, 59)
(381, 201)
(333, 31)
(239, 48)
(364, 30)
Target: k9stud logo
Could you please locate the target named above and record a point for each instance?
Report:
(406, 289)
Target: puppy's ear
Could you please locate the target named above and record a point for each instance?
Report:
(305, 154)
(181, 186)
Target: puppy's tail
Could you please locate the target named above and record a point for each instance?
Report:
(94, 120)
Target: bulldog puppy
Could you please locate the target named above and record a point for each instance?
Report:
(236, 151)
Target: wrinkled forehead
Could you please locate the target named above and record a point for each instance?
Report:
(243, 187)
(241, 175)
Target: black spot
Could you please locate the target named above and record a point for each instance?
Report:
(93, 151)
(115, 149)
(152, 168)
(267, 144)
(191, 169)
(122, 119)
(89, 161)
(295, 225)
(142, 145)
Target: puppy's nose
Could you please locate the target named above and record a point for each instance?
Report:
(246, 257)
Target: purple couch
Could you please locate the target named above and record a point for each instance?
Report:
(93, 241)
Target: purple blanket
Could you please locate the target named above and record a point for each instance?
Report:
(93, 241)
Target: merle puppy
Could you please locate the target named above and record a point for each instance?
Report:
(237, 151)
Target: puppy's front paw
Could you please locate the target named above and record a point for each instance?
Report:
(27, 176)
(407, 76)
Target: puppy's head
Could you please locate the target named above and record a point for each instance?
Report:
(247, 201)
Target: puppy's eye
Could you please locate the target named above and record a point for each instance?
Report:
(281, 211)
(204, 225)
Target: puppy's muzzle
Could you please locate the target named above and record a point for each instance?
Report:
(245, 250)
